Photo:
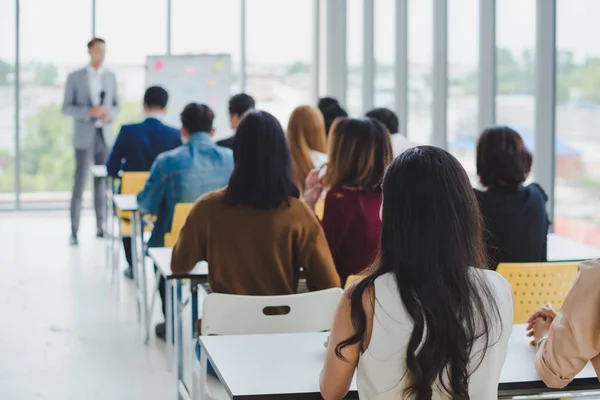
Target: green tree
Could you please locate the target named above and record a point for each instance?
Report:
(5, 70)
(298, 68)
(45, 74)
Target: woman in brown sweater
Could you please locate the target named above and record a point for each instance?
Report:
(256, 234)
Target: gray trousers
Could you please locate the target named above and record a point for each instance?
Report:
(83, 160)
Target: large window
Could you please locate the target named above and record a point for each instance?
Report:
(211, 27)
(385, 52)
(577, 121)
(279, 40)
(463, 61)
(354, 56)
(420, 68)
(7, 104)
(515, 65)
(126, 48)
(50, 50)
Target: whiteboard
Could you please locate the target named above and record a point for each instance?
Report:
(204, 78)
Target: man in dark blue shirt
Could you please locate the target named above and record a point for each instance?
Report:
(138, 145)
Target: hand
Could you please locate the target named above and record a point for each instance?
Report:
(546, 312)
(539, 323)
(105, 115)
(94, 112)
(313, 187)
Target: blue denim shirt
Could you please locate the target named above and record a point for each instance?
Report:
(182, 175)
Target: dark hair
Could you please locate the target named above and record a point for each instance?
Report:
(502, 157)
(331, 109)
(262, 176)
(387, 117)
(92, 42)
(197, 118)
(431, 237)
(240, 103)
(156, 96)
(359, 152)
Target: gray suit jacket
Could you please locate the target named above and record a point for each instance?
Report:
(78, 101)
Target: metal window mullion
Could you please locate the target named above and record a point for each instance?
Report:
(336, 65)
(440, 73)
(401, 65)
(545, 99)
(487, 64)
(243, 46)
(93, 18)
(316, 51)
(169, 25)
(17, 83)
(368, 81)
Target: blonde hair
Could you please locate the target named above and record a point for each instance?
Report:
(359, 152)
(306, 132)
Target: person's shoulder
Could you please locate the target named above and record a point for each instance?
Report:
(497, 283)
(212, 197)
(537, 188)
(167, 157)
(226, 154)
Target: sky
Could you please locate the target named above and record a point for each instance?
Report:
(278, 31)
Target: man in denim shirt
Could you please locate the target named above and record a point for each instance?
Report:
(184, 174)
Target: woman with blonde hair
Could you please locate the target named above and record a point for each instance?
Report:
(307, 140)
(359, 152)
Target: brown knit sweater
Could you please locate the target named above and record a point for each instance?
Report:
(252, 251)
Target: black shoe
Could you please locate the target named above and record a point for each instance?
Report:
(161, 331)
(73, 241)
(128, 273)
(100, 233)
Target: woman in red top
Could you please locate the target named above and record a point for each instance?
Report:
(359, 152)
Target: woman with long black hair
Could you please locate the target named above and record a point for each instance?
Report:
(429, 321)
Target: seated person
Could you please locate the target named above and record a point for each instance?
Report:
(359, 153)
(331, 110)
(138, 145)
(308, 142)
(387, 117)
(430, 272)
(239, 105)
(514, 215)
(256, 234)
(184, 174)
(566, 341)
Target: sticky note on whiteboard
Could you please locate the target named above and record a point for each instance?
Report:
(219, 66)
(211, 82)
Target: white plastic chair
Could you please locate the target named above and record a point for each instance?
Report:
(225, 314)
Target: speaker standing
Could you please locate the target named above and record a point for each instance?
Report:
(91, 99)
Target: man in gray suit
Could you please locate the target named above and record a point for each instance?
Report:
(91, 99)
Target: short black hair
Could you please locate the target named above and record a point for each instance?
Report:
(197, 118)
(387, 117)
(262, 175)
(240, 103)
(156, 96)
(331, 109)
(502, 157)
(94, 40)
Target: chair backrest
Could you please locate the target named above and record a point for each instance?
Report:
(535, 284)
(133, 182)
(225, 314)
(180, 214)
(351, 279)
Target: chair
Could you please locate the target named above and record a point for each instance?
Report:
(535, 284)
(132, 183)
(225, 314)
(351, 279)
(180, 214)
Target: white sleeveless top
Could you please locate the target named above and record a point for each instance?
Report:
(382, 367)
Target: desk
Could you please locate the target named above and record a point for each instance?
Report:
(287, 366)
(128, 202)
(161, 256)
(565, 249)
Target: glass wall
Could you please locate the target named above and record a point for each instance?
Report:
(126, 48)
(463, 68)
(49, 52)
(7, 104)
(279, 52)
(515, 66)
(420, 69)
(385, 53)
(577, 212)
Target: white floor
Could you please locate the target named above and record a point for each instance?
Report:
(64, 334)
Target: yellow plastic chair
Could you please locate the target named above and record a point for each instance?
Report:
(351, 279)
(535, 284)
(132, 183)
(180, 214)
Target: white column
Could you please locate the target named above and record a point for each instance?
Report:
(401, 65)
(316, 51)
(487, 64)
(368, 81)
(336, 66)
(243, 46)
(440, 73)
